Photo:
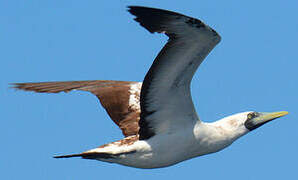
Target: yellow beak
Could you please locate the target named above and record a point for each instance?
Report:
(262, 118)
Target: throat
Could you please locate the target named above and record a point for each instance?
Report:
(213, 137)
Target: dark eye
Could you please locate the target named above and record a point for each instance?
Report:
(252, 115)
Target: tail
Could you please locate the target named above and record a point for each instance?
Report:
(90, 155)
(69, 156)
(94, 155)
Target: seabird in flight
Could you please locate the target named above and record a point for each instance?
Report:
(157, 117)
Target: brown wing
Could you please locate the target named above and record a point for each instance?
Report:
(119, 98)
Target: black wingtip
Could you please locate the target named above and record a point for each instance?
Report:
(153, 19)
(143, 9)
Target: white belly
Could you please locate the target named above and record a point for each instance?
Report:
(165, 150)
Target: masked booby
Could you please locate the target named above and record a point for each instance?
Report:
(157, 117)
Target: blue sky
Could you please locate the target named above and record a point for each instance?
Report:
(253, 68)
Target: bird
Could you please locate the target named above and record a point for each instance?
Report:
(157, 116)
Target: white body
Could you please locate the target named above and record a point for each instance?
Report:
(166, 149)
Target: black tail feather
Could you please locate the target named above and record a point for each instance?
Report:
(90, 155)
(94, 155)
(68, 156)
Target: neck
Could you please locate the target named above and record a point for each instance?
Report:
(228, 127)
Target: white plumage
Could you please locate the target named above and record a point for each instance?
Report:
(166, 149)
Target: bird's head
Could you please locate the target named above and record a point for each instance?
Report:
(242, 123)
(257, 119)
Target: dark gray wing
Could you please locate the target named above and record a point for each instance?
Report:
(166, 103)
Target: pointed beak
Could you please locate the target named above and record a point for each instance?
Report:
(262, 118)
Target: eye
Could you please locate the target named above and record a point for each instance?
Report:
(252, 115)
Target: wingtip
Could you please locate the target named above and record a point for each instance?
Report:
(16, 86)
(152, 19)
(23, 86)
(130, 7)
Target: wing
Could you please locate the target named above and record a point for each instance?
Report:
(166, 104)
(121, 99)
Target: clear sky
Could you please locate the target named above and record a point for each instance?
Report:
(253, 68)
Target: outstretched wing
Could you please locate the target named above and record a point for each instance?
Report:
(166, 104)
(121, 99)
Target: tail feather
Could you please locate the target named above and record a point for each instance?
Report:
(89, 155)
(94, 155)
(68, 156)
